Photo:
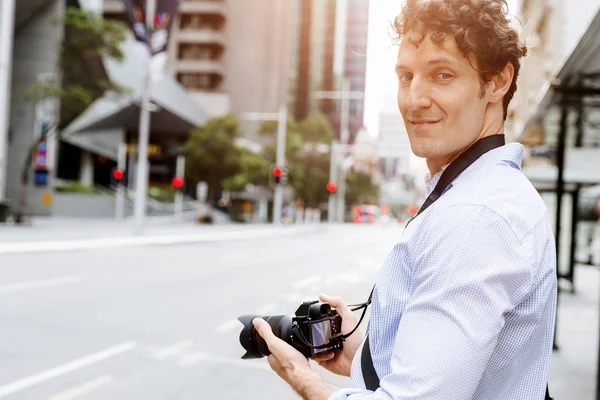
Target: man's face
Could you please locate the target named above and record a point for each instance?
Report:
(439, 96)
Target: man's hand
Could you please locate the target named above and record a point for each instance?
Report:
(292, 366)
(340, 362)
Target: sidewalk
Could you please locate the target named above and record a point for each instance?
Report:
(574, 365)
(64, 234)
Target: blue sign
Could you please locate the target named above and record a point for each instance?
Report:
(40, 177)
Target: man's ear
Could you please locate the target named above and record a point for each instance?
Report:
(500, 84)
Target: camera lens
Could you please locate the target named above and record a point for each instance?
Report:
(255, 345)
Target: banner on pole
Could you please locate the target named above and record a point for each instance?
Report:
(158, 37)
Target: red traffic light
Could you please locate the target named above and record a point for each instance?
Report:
(178, 182)
(277, 172)
(117, 174)
(331, 187)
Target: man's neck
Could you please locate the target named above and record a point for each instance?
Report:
(437, 164)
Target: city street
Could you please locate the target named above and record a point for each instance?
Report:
(159, 322)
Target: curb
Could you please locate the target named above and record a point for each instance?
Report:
(155, 240)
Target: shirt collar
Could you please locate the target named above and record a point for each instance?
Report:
(431, 181)
(511, 153)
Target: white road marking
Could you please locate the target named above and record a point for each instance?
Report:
(33, 380)
(195, 358)
(174, 350)
(31, 285)
(229, 325)
(167, 239)
(83, 389)
(266, 309)
(306, 282)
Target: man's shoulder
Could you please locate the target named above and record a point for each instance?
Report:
(500, 192)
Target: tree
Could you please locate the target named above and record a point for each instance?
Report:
(308, 170)
(360, 188)
(316, 128)
(213, 157)
(253, 169)
(313, 189)
(88, 38)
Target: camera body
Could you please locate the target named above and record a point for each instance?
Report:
(320, 325)
(315, 324)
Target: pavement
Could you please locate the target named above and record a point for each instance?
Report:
(64, 234)
(159, 322)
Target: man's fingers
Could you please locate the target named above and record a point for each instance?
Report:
(335, 302)
(324, 357)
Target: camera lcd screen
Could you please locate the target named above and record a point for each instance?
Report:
(321, 332)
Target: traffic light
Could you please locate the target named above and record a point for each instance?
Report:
(178, 182)
(331, 187)
(277, 173)
(280, 175)
(117, 176)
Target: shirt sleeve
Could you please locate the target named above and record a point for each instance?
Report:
(473, 271)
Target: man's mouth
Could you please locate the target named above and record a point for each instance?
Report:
(424, 121)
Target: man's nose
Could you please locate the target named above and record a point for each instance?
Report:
(417, 95)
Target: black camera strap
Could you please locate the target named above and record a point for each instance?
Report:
(457, 167)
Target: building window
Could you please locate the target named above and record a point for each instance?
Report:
(195, 52)
(196, 81)
(191, 22)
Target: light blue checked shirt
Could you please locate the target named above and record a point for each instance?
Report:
(465, 303)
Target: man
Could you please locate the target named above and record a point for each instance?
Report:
(464, 307)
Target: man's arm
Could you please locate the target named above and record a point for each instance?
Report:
(473, 271)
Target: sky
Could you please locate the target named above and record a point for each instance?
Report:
(381, 82)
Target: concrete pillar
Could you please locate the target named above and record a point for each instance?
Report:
(7, 15)
(86, 174)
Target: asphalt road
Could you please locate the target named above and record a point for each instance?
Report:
(159, 322)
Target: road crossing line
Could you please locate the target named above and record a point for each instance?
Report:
(52, 373)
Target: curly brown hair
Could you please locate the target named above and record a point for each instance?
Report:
(481, 29)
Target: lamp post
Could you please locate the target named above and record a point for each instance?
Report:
(345, 95)
(141, 187)
(281, 118)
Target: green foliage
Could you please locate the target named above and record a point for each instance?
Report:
(316, 175)
(212, 155)
(87, 37)
(316, 128)
(360, 188)
(77, 187)
(253, 169)
(162, 194)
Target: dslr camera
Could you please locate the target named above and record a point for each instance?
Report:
(315, 329)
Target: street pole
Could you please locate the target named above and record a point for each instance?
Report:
(344, 138)
(179, 171)
(6, 45)
(332, 178)
(141, 188)
(280, 161)
(281, 118)
(345, 95)
(120, 195)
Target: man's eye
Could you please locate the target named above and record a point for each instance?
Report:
(405, 77)
(444, 76)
